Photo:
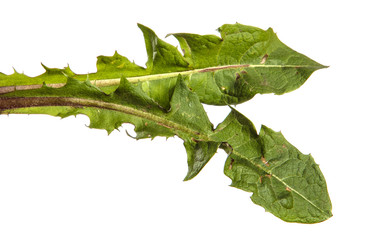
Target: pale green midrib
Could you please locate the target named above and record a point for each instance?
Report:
(153, 77)
(109, 82)
(280, 180)
(82, 102)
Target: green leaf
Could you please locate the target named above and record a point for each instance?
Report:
(164, 99)
(198, 155)
(245, 61)
(284, 181)
(127, 104)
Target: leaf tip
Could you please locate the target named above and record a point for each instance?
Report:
(143, 27)
(188, 177)
(45, 67)
(14, 71)
(128, 134)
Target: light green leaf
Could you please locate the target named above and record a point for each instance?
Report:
(245, 61)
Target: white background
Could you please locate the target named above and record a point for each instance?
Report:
(62, 180)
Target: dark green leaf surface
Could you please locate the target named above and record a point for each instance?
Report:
(198, 155)
(284, 181)
(228, 70)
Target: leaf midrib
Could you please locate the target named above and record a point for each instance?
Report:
(153, 77)
(9, 103)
